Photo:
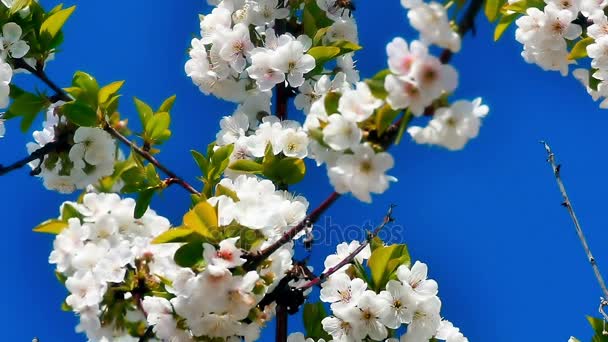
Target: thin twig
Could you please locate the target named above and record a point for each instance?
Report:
(256, 258)
(39, 154)
(60, 94)
(175, 179)
(348, 259)
(579, 231)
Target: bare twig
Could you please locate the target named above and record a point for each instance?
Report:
(39, 154)
(255, 259)
(579, 231)
(60, 94)
(348, 259)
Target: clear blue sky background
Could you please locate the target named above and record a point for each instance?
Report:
(487, 220)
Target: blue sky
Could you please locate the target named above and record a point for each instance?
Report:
(486, 220)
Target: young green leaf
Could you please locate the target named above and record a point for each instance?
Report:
(312, 317)
(492, 9)
(53, 24)
(245, 165)
(143, 202)
(503, 24)
(51, 227)
(384, 261)
(580, 48)
(174, 235)
(80, 114)
(106, 92)
(144, 110)
(203, 220)
(167, 105)
(157, 127)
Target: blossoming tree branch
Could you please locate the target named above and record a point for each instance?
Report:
(230, 267)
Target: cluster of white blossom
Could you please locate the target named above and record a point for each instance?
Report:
(11, 46)
(96, 251)
(251, 137)
(545, 34)
(359, 313)
(228, 60)
(417, 79)
(89, 157)
(451, 127)
(352, 165)
(232, 309)
(433, 23)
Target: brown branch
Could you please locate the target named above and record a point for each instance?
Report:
(579, 231)
(60, 94)
(348, 259)
(174, 178)
(39, 154)
(255, 259)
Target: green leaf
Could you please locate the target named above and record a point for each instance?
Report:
(523, 5)
(312, 317)
(286, 171)
(68, 211)
(80, 114)
(245, 165)
(89, 88)
(376, 84)
(157, 127)
(51, 227)
(174, 235)
(222, 190)
(384, 261)
(203, 220)
(144, 110)
(143, 202)
(332, 101)
(53, 24)
(189, 254)
(385, 117)
(346, 46)
(580, 48)
(18, 5)
(492, 9)
(106, 92)
(314, 19)
(27, 105)
(220, 160)
(167, 104)
(593, 82)
(201, 161)
(319, 34)
(597, 325)
(323, 54)
(503, 24)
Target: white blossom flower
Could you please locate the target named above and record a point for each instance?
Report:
(398, 304)
(359, 104)
(342, 292)
(11, 43)
(417, 279)
(341, 134)
(362, 172)
(227, 256)
(452, 127)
